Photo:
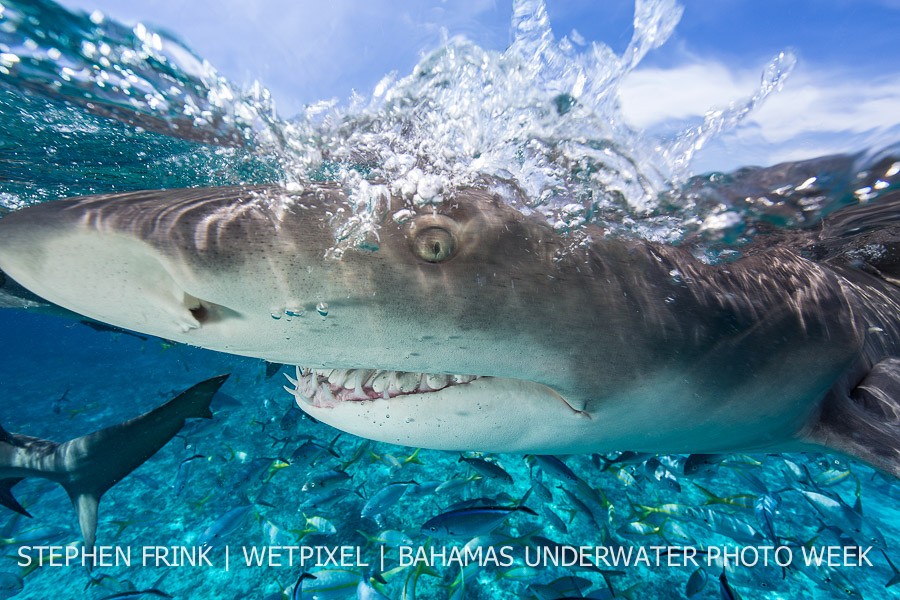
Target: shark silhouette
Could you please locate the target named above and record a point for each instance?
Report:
(89, 465)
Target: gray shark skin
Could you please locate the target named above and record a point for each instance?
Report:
(89, 465)
(475, 327)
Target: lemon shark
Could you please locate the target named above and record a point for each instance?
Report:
(474, 326)
(88, 466)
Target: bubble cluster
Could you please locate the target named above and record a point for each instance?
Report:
(538, 123)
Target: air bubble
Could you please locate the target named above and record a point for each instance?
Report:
(322, 308)
(403, 216)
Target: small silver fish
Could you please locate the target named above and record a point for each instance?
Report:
(224, 525)
(487, 468)
(385, 498)
(470, 522)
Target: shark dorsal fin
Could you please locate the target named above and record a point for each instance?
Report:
(865, 423)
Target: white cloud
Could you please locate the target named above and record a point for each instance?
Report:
(651, 97)
(817, 112)
(823, 104)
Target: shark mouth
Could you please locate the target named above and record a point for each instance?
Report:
(324, 388)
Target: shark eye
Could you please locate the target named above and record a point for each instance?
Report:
(434, 244)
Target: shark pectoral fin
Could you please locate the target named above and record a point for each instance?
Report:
(6, 497)
(86, 505)
(865, 423)
(194, 402)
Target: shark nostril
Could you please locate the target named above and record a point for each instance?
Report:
(206, 312)
(201, 313)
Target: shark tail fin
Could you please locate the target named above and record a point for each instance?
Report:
(99, 460)
(6, 497)
(865, 423)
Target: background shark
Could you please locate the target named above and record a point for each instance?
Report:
(473, 326)
(89, 465)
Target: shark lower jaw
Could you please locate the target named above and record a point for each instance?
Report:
(325, 388)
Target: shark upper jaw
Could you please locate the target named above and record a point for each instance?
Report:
(322, 388)
(325, 388)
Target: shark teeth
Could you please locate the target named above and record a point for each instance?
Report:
(327, 387)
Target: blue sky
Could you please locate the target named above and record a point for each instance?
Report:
(844, 94)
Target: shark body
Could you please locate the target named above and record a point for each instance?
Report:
(473, 326)
(89, 465)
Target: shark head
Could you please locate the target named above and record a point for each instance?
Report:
(470, 326)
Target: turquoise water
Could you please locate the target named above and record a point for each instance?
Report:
(112, 377)
(244, 472)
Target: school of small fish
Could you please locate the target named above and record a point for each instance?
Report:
(261, 473)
